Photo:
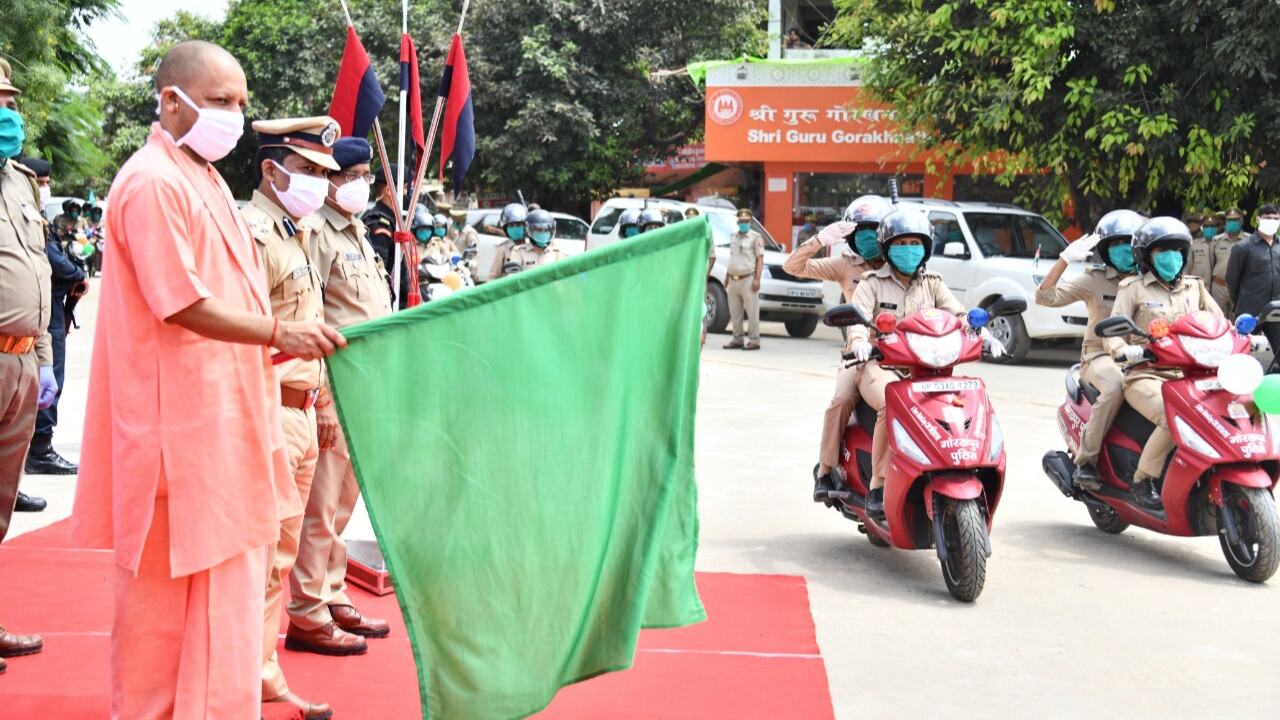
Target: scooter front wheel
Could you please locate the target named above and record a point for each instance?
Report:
(1106, 519)
(1256, 553)
(965, 566)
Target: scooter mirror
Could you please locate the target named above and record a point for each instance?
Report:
(845, 316)
(1116, 327)
(1006, 306)
(1271, 313)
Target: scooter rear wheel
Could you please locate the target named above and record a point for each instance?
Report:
(1107, 520)
(1256, 556)
(965, 569)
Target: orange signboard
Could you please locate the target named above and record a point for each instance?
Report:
(819, 124)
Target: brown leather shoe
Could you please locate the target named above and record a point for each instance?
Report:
(14, 645)
(350, 619)
(328, 639)
(310, 711)
(3, 666)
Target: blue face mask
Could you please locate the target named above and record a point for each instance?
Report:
(744, 228)
(13, 132)
(442, 231)
(864, 242)
(422, 234)
(1235, 226)
(1121, 255)
(906, 259)
(630, 231)
(1209, 232)
(515, 232)
(1168, 265)
(541, 238)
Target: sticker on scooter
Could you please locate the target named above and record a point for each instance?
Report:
(1208, 385)
(941, 386)
(1237, 411)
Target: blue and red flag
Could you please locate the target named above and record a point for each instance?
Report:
(458, 142)
(413, 91)
(357, 96)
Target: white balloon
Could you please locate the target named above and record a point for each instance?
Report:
(1240, 374)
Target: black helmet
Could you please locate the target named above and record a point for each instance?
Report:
(628, 218)
(650, 218)
(513, 214)
(867, 211)
(901, 223)
(1116, 226)
(541, 221)
(1160, 232)
(70, 203)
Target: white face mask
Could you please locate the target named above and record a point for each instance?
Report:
(45, 195)
(1268, 227)
(215, 132)
(305, 194)
(352, 197)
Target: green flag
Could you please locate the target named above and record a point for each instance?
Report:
(525, 450)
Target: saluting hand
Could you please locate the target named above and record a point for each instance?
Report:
(308, 340)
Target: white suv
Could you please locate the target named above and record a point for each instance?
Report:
(796, 302)
(985, 250)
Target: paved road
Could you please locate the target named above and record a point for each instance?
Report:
(1073, 623)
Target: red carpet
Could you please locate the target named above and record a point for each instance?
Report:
(756, 657)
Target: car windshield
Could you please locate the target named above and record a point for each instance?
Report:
(724, 225)
(605, 221)
(1017, 236)
(570, 229)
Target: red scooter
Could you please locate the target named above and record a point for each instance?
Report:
(1220, 478)
(946, 467)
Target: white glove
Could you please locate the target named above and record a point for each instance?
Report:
(861, 350)
(1079, 250)
(1131, 353)
(993, 346)
(835, 233)
(1258, 343)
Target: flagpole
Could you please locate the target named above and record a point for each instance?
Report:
(377, 126)
(402, 218)
(435, 123)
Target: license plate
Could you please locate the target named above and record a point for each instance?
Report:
(802, 293)
(941, 386)
(1208, 385)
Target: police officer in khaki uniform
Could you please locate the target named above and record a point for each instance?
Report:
(746, 266)
(1222, 245)
(1160, 247)
(1200, 261)
(902, 286)
(540, 248)
(26, 352)
(514, 225)
(1097, 289)
(463, 238)
(355, 291)
(293, 163)
(858, 229)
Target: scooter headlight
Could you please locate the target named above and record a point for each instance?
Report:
(997, 440)
(940, 351)
(1193, 439)
(907, 446)
(1209, 352)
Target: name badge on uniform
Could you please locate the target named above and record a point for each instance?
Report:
(354, 257)
(889, 306)
(1153, 304)
(301, 271)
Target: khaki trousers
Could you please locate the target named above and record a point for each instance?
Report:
(1142, 391)
(1104, 374)
(186, 648)
(319, 577)
(19, 390)
(836, 418)
(871, 384)
(744, 302)
(1218, 290)
(300, 436)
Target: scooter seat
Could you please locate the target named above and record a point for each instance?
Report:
(866, 416)
(1134, 425)
(1091, 393)
(1076, 386)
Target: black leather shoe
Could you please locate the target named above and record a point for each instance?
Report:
(1086, 477)
(50, 463)
(1145, 493)
(822, 485)
(27, 503)
(875, 504)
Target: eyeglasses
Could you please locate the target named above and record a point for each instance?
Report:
(352, 177)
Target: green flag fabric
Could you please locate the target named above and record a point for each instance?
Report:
(525, 450)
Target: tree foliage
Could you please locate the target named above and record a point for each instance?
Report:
(1114, 103)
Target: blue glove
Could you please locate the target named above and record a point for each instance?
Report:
(48, 387)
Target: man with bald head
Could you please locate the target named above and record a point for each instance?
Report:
(185, 467)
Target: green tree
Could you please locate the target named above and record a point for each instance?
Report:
(1114, 103)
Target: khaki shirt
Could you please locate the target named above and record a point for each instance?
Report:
(25, 294)
(844, 270)
(881, 291)
(355, 286)
(439, 247)
(527, 255)
(1145, 298)
(744, 249)
(463, 239)
(500, 253)
(1097, 288)
(1201, 261)
(293, 283)
(1222, 245)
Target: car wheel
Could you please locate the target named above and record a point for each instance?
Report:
(803, 327)
(717, 307)
(1012, 333)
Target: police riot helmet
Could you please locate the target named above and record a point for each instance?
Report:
(1157, 233)
(651, 218)
(1116, 226)
(70, 204)
(440, 220)
(542, 227)
(423, 224)
(629, 218)
(902, 223)
(513, 214)
(867, 211)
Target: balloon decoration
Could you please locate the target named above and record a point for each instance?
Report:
(1240, 374)
(1267, 396)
